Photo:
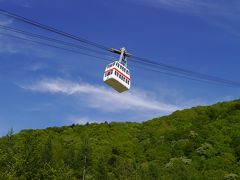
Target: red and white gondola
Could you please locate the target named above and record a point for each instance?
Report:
(116, 74)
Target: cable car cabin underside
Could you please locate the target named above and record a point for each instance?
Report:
(116, 85)
(117, 76)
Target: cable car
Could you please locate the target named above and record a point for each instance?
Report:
(116, 74)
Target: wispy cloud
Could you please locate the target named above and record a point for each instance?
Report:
(5, 21)
(222, 13)
(220, 7)
(6, 46)
(11, 45)
(181, 4)
(82, 120)
(102, 98)
(21, 3)
(37, 66)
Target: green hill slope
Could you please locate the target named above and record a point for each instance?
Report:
(198, 143)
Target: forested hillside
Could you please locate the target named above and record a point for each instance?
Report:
(198, 143)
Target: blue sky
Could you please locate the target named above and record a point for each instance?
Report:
(43, 86)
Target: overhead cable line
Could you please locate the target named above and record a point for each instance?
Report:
(143, 61)
(166, 67)
(182, 76)
(54, 46)
(15, 30)
(169, 73)
(185, 72)
(109, 60)
(78, 52)
(52, 29)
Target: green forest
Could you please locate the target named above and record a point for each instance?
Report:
(197, 143)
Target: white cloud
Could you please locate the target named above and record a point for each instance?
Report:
(181, 3)
(21, 3)
(13, 45)
(102, 98)
(5, 21)
(223, 14)
(37, 66)
(82, 120)
(220, 7)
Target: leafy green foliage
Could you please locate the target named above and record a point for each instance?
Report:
(197, 143)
